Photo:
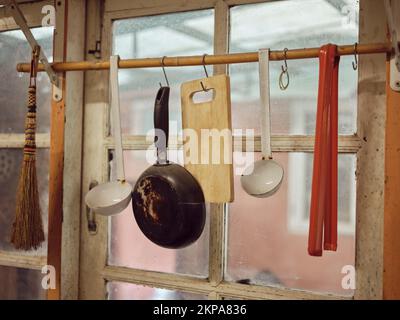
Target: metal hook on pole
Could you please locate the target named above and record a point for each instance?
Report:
(205, 71)
(204, 64)
(355, 62)
(163, 69)
(282, 85)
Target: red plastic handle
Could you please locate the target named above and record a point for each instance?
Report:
(323, 211)
(330, 222)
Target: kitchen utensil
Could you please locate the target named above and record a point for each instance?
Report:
(208, 157)
(27, 230)
(168, 202)
(264, 177)
(323, 210)
(112, 197)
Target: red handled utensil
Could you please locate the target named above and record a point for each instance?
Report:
(330, 222)
(323, 211)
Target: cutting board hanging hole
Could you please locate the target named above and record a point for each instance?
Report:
(203, 96)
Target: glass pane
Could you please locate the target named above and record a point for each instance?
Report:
(21, 284)
(128, 291)
(190, 33)
(130, 248)
(10, 164)
(278, 227)
(292, 24)
(14, 86)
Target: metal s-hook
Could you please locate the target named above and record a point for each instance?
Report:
(355, 62)
(285, 68)
(205, 71)
(204, 64)
(163, 69)
(282, 85)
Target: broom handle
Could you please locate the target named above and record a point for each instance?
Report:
(116, 117)
(30, 122)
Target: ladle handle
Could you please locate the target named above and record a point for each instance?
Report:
(263, 67)
(115, 109)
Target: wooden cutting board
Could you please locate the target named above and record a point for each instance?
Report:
(209, 160)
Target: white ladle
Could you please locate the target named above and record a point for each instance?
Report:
(112, 197)
(264, 177)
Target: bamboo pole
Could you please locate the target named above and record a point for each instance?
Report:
(210, 59)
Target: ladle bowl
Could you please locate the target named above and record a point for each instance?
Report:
(109, 198)
(263, 178)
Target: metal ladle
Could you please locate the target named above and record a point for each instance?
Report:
(112, 197)
(264, 177)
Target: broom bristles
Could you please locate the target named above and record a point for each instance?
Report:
(27, 230)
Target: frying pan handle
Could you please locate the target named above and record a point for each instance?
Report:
(161, 124)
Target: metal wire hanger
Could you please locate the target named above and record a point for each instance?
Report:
(205, 70)
(165, 74)
(355, 62)
(282, 85)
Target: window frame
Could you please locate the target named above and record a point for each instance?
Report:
(96, 246)
(90, 271)
(32, 12)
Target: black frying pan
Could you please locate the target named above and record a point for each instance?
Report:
(168, 202)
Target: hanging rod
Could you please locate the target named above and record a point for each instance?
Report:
(210, 59)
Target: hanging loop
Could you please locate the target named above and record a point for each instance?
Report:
(163, 69)
(355, 62)
(282, 84)
(34, 65)
(205, 71)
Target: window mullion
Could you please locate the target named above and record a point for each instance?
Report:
(17, 140)
(217, 211)
(12, 259)
(280, 143)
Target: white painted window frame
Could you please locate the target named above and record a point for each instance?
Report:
(32, 12)
(94, 269)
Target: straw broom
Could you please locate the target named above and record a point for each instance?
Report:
(27, 230)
